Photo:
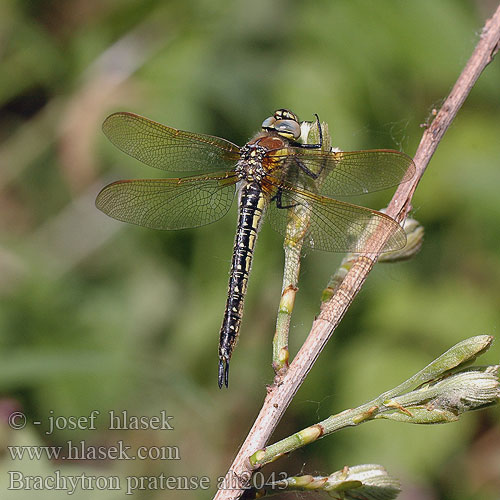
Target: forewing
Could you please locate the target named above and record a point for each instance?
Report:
(348, 173)
(334, 226)
(169, 203)
(167, 148)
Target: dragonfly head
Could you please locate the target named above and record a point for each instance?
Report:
(284, 123)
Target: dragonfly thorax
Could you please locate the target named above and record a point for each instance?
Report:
(249, 166)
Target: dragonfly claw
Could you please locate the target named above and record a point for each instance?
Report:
(223, 372)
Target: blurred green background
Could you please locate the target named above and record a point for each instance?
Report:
(97, 314)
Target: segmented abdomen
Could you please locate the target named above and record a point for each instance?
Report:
(251, 209)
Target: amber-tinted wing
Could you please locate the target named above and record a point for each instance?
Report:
(347, 173)
(167, 148)
(331, 225)
(169, 203)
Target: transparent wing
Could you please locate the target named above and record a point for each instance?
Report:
(169, 203)
(167, 148)
(331, 225)
(347, 173)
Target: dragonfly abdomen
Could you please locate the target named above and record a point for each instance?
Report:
(253, 202)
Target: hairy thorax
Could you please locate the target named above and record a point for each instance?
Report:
(256, 161)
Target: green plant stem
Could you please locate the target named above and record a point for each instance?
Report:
(337, 278)
(281, 353)
(292, 247)
(408, 401)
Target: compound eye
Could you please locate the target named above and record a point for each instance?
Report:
(269, 122)
(288, 128)
(285, 114)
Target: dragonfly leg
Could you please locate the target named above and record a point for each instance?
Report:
(278, 199)
(306, 170)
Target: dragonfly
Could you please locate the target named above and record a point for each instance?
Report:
(275, 173)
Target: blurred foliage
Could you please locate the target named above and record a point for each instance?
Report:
(96, 314)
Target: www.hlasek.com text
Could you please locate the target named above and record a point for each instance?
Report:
(82, 451)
